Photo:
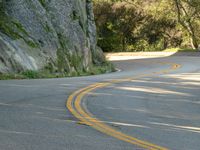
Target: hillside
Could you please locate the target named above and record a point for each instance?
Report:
(56, 35)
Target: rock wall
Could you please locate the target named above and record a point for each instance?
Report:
(58, 35)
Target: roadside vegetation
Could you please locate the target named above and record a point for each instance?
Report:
(147, 25)
(107, 67)
(180, 50)
(126, 26)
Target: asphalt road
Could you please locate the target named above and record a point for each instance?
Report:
(162, 108)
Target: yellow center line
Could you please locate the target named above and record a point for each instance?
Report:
(74, 105)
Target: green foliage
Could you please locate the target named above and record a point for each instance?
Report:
(63, 54)
(180, 50)
(32, 44)
(46, 73)
(10, 26)
(47, 28)
(75, 16)
(135, 25)
(7, 25)
(68, 61)
(42, 2)
(104, 68)
(13, 28)
(188, 17)
(30, 74)
(10, 76)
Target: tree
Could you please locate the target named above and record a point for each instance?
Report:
(134, 25)
(187, 13)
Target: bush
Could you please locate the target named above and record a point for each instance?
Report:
(142, 26)
(31, 74)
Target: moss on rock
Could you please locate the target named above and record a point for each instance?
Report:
(42, 35)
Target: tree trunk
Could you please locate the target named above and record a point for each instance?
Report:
(194, 43)
(186, 24)
(123, 44)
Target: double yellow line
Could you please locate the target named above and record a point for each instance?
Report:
(75, 107)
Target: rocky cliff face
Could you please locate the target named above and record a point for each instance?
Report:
(58, 35)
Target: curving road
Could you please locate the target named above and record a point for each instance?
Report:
(151, 103)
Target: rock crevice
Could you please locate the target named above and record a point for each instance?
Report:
(39, 34)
